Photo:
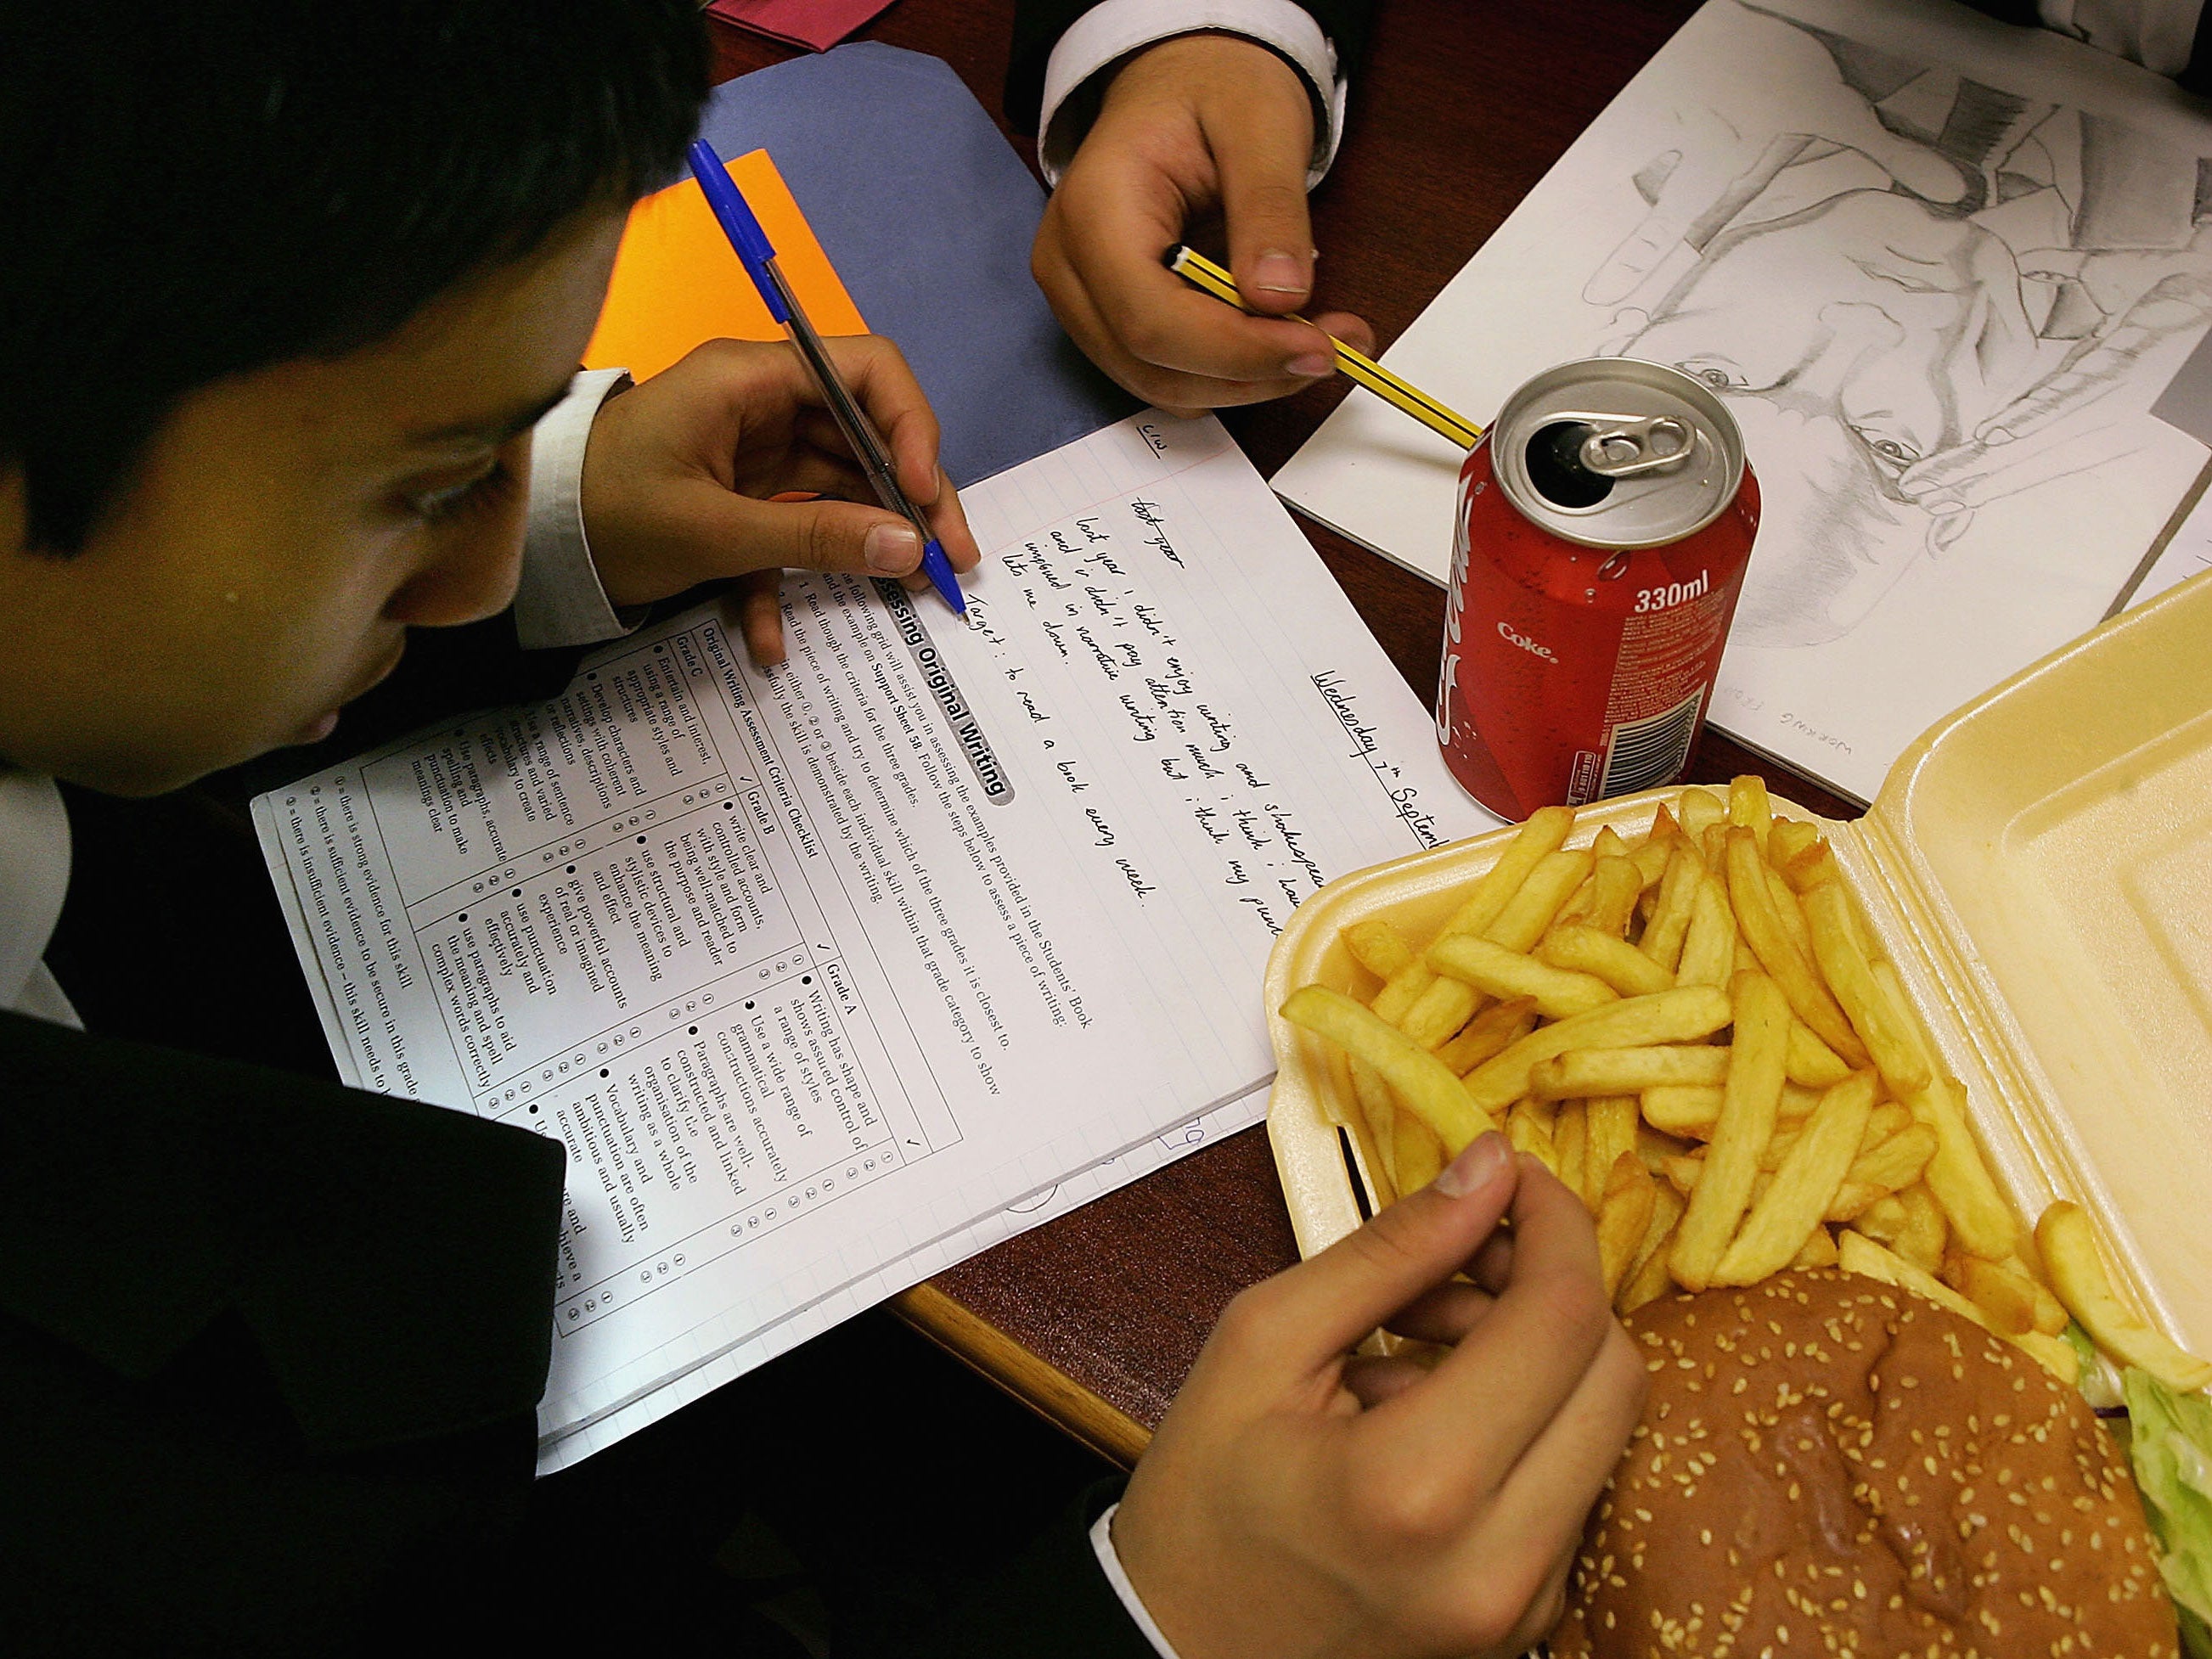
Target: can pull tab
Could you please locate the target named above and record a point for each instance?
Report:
(1629, 445)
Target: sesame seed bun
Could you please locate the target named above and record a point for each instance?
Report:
(1827, 1465)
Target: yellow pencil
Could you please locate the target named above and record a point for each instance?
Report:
(1200, 271)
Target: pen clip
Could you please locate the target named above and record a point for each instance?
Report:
(753, 248)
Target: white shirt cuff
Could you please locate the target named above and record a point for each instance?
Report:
(1110, 32)
(560, 601)
(1101, 1539)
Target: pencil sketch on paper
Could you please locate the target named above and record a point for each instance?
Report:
(1919, 294)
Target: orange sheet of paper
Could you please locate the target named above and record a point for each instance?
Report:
(677, 282)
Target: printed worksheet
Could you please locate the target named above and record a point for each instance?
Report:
(814, 968)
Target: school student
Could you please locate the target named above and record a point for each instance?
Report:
(292, 305)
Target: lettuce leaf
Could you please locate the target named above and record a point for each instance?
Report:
(2171, 1450)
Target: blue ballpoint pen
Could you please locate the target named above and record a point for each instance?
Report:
(758, 259)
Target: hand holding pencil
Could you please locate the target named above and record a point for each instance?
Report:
(1194, 129)
(1200, 271)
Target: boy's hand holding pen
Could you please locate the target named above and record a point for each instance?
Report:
(861, 438)
(749, 458)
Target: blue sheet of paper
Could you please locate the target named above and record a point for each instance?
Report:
(928, 215)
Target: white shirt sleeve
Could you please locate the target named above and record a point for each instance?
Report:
(1110, 32)
(560, 601)
(1101, 1539)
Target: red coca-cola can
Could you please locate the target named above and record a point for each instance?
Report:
(1605, 520)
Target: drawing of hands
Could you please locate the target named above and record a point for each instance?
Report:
(1788, 104)
(2024, 442)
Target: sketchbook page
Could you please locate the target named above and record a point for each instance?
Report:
(1938, 269)
(862, 1294)
(2187, 553)
(812, 970)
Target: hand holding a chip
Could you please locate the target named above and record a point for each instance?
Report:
(1303, 1500)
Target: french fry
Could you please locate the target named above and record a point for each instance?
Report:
(1897, 1053)
(1798, 1101)
(1531, 910)
(1819, 1251)
(1751, 1096)
(1804, 1186)
(1812, 867)
(1812, 1063)
(1558, 992)
(1748, 808)
(1688, 1110)
(1896, 1164)
(1885, 1121)
(1709, 944)
(2050, 1316)
(1959, 1178)
(1648, 1279)
(1858, 1253)
(1670, 916)
(1852, 1199)
(1681, 1015)
(1543, 833)
(1378, 947)
(1607, 843)
(1529, 1128)
(1651, 856)
(1615, 884)
(1691, 1109)
(1761, 925)
(1378, 1113)
(1609, 1133)
(2068, 1247)
(1490, 1033)
(1786, 908)
(1889, 1118)
(1571, 1138)
(1605, 957)
(1789, 837)
(1654, 1148)
(1577, 908)
(2007, 1297)
(1402, 991)
(1697, 810)
(1418, 1156)
(1624, 1209)
(1424, 1082)
(1927, 1229)
(1957, 1174)
(1627, 1071)
(1438, 1012)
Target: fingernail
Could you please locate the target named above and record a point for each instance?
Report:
(1482, 1162)
(893, 549)
(1312, 365)
(1278, 273)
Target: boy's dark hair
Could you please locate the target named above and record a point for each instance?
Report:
(189, 191)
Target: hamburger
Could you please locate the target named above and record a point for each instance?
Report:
(1829, 1465)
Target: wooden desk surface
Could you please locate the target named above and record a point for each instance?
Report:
(1095, 1318)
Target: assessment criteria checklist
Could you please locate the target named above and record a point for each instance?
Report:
(809, 969)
